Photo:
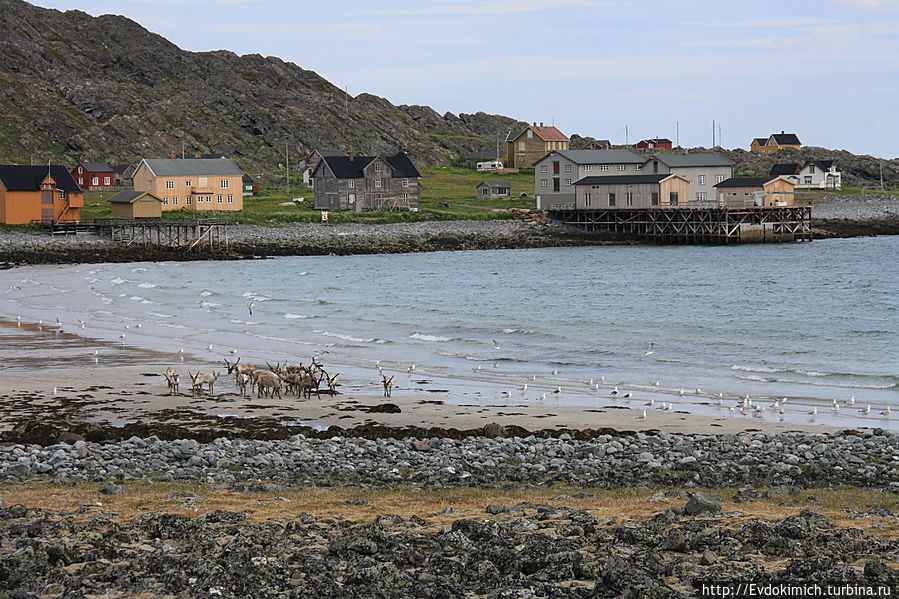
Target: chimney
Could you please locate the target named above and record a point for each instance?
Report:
(535, 123)
(781, 131)
(541, 123)
(352, 156)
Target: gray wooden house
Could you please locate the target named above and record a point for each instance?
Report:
(493, 190)
(361, 183)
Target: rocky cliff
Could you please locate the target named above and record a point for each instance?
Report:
(105, 88)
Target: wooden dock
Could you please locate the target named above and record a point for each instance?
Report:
(696, 225)
(209, 234)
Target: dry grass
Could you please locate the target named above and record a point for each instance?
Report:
(329, 505)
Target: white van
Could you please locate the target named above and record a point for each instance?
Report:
(490, 166)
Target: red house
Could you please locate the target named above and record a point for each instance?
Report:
(91, 175)
(655, 143)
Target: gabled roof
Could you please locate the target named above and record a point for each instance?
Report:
(402, 166)
(785, 168)
(96, 167)
(179, 167)
(546, 133)
(599, 156)
(482, 155)
(824, 165)
(344, 168)
(658, 140)
(29, 178)
(786, 139)
(120, 169)
(744, 182)
(760, 141)
(494, 184)
(129, 196)
(625, 179)
(688, 160)
(247, 178)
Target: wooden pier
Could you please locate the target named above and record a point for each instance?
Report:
(189, 234)
(696, 225)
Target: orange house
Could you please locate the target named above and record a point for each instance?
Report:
(38, 194)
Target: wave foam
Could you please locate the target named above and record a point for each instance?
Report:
(422, 337)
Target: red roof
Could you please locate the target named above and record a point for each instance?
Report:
(550, 134)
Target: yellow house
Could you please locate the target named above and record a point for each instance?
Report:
(532, 143)
(776, 142)
(135, 204)
(198, 184)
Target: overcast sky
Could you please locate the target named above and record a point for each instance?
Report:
(827, 70)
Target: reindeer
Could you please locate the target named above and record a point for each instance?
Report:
(171, 377)
(266, 379)
(388, 384)
(200, 379)
(242, 381)
(238, 369)
(332, 383)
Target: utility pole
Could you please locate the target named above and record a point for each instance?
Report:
(720, 140)
(287, 154)
(713, 133)
(182, 148)
(881, 174)
(677, 136)
(625, 136)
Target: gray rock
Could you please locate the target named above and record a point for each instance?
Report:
(700, 503)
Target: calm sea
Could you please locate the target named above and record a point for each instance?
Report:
(809, 321)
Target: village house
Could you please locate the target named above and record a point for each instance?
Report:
(94, 175)
(312, 161)
(656, 143)
(360, 183)
(38, 194)
(249, 185)
(555, 173)
(599, 144)
(493, 190)
(742, 192)
(820, 174)
(192, 183)
(135, 204)
(776, 142)
(787, 170)
(527, 146)
(631, 191)
(702, 170)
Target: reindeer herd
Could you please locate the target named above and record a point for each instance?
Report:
(292, 378)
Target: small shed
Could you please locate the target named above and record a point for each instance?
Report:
(493, 190)
(135, 204)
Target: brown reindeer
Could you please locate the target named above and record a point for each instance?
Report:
(388, 384)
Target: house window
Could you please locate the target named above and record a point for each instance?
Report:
(95, 180)
(521, 145)
(588, 200)
(588, 167)
(170, 185)
(567, 168)
(811, 169)
(622, 167)
(700, 196)
(405, 182)
(174, 200)
(230, 198)
(105, 180)
(351, 198)
(80, 169)
(654, 199)
(542, 182)
(639, 167)
(165, 201)
(702, 179)
(351, 183)
(629, 198)
(62, 193)
(405, 197)
(542, 168)
(530, 133)
(611, 199)
(224, 184)
(378, 168)
(188, 200)
(150, 185)
(672, 198)
(377, 183)
(807, 180)
(603, 167)
(568, 182)
(555, 184)
(187, 182)
(219, 199)
(719, 178)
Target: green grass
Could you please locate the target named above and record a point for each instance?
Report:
(439, 184)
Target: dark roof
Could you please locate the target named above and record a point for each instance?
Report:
(824, 165)
(28, 178)
(175, 167)
(402, 166)
(210, 156)
(622, 179)
(96, 167)
(129, 195)
(658, 140)
(247, 178)
(744, 182)
(120, 168)
(785, 139)
(599, 156)
(785, 168)
(760, 140)
(482, 155)
(494, 184)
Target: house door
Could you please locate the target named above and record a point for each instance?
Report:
(47, 206)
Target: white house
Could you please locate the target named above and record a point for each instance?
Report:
(820, 174)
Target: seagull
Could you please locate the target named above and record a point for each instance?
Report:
(866, 410)
(670, 407)
(656, 384)
(596, 387)
(558, 390)
(651, 349)
(496, 364)
(698, 390)
(602, 379)
(507, 393)
(96, 352)
(555, 371)
(496, 344)
(651, 402)
(209, 347)
(233, 351)
(813, 412)
(627, 395)
(851, 401)
(886, 412)
(663, 406)
(412, 368)
(780, 410)
(534, 377)
(836, 408)
(642, 415)
(54, 390)
(720, 394)
(719, 402)
(614, 391)
(122, 336)
(57, 320)
(542, 397)
(250, 305)
(682, 391)
(591, 382)
(525, 388)
(138, 325)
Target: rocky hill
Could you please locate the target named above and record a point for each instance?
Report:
(105, 88)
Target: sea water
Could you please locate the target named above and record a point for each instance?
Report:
(809, 321)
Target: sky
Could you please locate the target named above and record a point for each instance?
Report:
(827, 70)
